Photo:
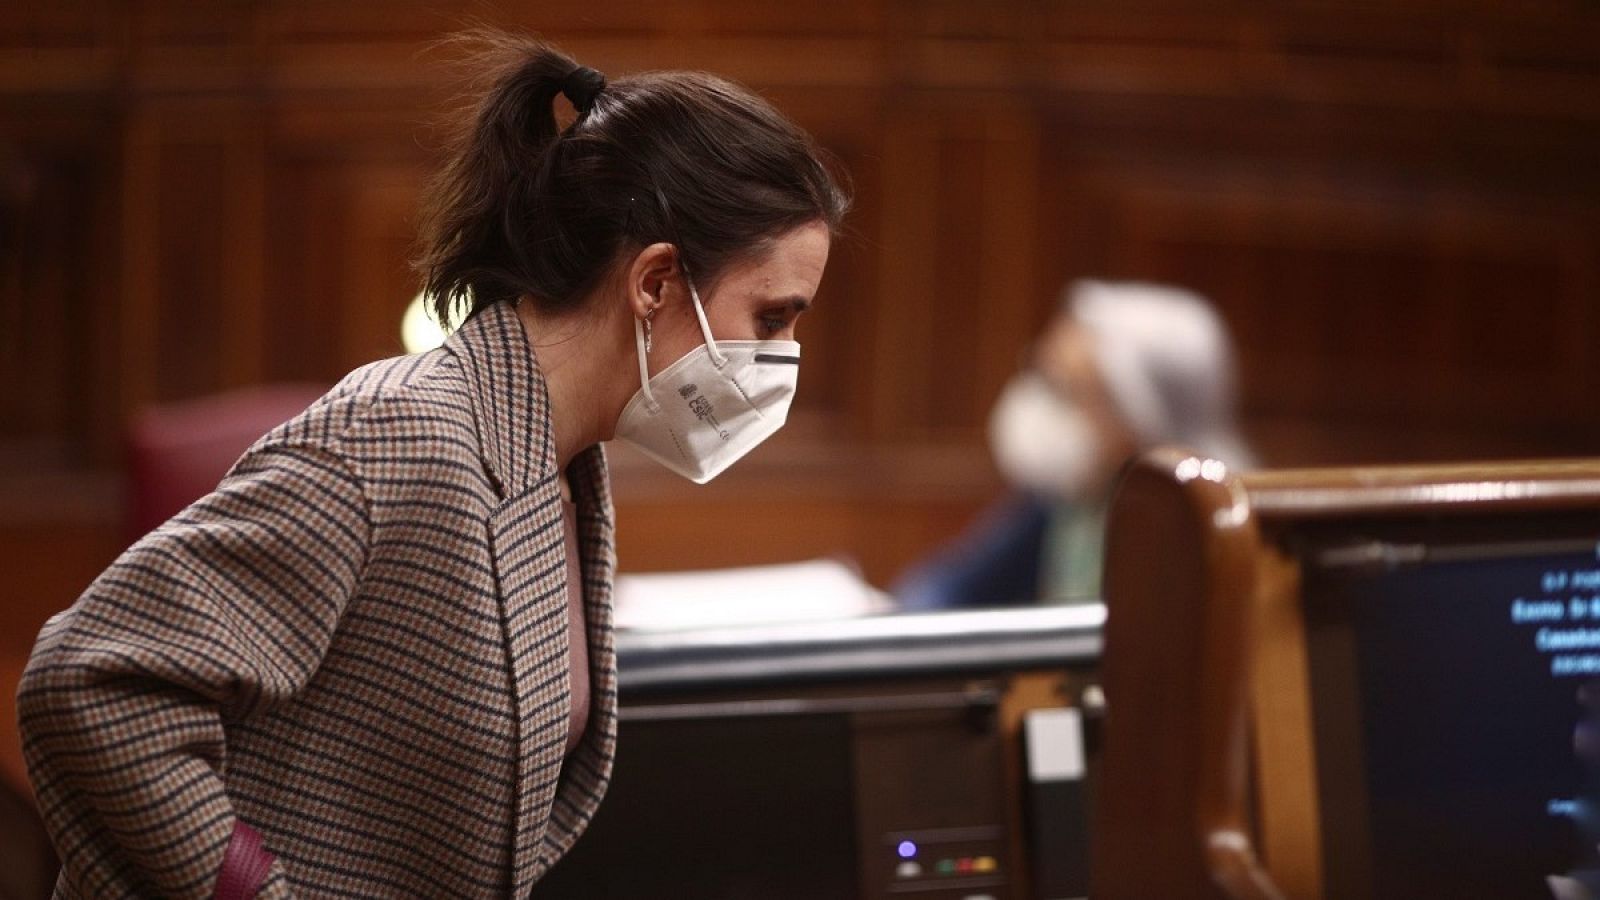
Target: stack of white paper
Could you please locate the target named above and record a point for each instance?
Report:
(757, 595)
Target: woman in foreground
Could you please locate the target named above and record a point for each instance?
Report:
(377, 660)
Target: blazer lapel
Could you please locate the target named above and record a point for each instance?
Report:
(528, 550)
(512, 409)
(587, 770)
(510, 402)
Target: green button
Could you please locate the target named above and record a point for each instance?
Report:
(946, 867)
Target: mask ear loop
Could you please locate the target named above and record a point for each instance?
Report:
(644, 368)
(717, 359)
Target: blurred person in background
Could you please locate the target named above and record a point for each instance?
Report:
(1121, 368)
(377, 660)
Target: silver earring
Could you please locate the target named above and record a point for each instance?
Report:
(647, 340)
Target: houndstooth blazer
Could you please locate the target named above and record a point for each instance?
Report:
(357, 644)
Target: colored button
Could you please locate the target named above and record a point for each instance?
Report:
(946, 867)
(908, 869)
(964, 865)
(985, 864)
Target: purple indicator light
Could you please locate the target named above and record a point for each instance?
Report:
(907, 849)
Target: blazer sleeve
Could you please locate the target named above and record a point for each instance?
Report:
(216, 616)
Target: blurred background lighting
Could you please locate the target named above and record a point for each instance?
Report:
(418, 330)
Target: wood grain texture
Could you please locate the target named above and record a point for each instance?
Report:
(1394, 208)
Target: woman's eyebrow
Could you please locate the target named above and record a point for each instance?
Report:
(795, 302)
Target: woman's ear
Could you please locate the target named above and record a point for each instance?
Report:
(650, 273)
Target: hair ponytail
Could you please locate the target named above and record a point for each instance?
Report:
(521, 208)
(490, 174)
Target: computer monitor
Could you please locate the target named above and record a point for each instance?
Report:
(1393, 676)
(1455, 698)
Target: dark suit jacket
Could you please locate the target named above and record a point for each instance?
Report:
(358, 644)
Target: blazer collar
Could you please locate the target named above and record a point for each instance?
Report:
(510, 400)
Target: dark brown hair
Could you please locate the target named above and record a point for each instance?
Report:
(522, 207)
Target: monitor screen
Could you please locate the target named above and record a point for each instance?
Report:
(721, 809)
(1456, 705)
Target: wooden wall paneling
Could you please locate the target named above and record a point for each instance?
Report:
(96, 436)
(406, 122)
(837, 333)
(1007, 250)
(193, 241)
(1322, 332)
(1392, 54)
(956, 22)
(1550, 70)
(1357, 334)
(368, 22)
(59, 196)
(613, 17)
(992, 263)
(64, 23)
(1073, 239)
(1394, 207)
(306, 222)
(866, 18)
(18, 192)
(1501, 345)
(244, 264)
(1441, 292)
(56, 337)
(1512, 357)
(947, 364)
(1580, 266)
(363, 21)
(962, 244)
(182, 23)
(47, 291)
(139, 305)
(1094, 50)
(201, 211)
(58, 47)
(891, 538)
(377, 283)
(760, 60)
(881, 531)
(35, 592)
(354, 69)
(855, 278)
(342, 229)
(1367, 194)
(47, 563)
(909, 292)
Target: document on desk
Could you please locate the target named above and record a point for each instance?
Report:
(809, 591)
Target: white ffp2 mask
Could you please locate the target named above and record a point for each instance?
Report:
(1043, 442)
(699, 415)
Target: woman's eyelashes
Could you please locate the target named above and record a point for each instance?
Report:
(770, 323)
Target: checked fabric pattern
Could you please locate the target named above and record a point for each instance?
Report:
(357, 645)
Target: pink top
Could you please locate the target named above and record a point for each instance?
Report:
(578, 631)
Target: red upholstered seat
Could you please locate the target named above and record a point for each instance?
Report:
(178, 452)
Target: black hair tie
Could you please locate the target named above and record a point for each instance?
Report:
(581, 86)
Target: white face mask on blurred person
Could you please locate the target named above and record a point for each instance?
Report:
(699, 415)
(1044, 442)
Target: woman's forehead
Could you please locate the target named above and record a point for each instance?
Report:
(791, 268)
